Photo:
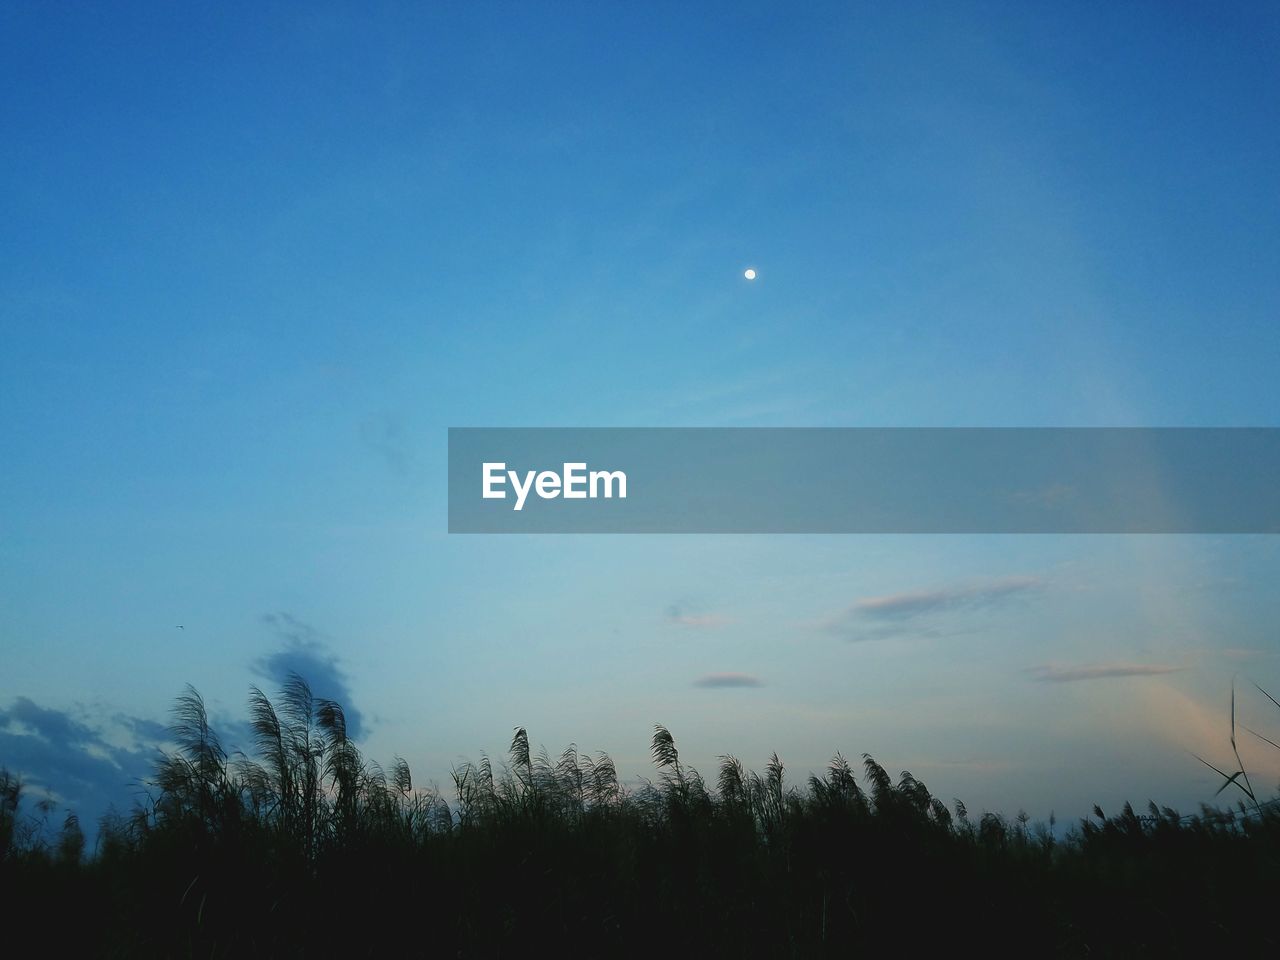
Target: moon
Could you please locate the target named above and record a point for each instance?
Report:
(749, 273)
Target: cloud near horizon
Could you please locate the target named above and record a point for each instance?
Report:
(678, 615)
(76, 757)
(913, 613)
(720, 680)
(1051, 673)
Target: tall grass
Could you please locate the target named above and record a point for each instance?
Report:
(1240, 778)
(302, 845)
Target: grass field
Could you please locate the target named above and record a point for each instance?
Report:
(307, 848)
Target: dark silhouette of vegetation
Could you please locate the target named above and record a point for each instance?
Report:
(306, 847)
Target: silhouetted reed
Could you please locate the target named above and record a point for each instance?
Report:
(303, 845)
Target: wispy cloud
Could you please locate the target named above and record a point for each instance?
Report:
(914, 613)
(306, 654)
(385, 435)
(676, 614)
(1052, 495)
(975, 764)
(1246, 653)
(1053, 673)
(903, 605)
(728, 680)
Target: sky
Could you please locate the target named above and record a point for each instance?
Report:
(256, 259)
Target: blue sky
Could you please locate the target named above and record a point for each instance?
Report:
(254, 263)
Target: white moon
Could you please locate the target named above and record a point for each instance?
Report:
(749, 274)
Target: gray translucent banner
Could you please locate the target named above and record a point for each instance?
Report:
(864, 480)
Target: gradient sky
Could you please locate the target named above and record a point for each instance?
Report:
(254, 263)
